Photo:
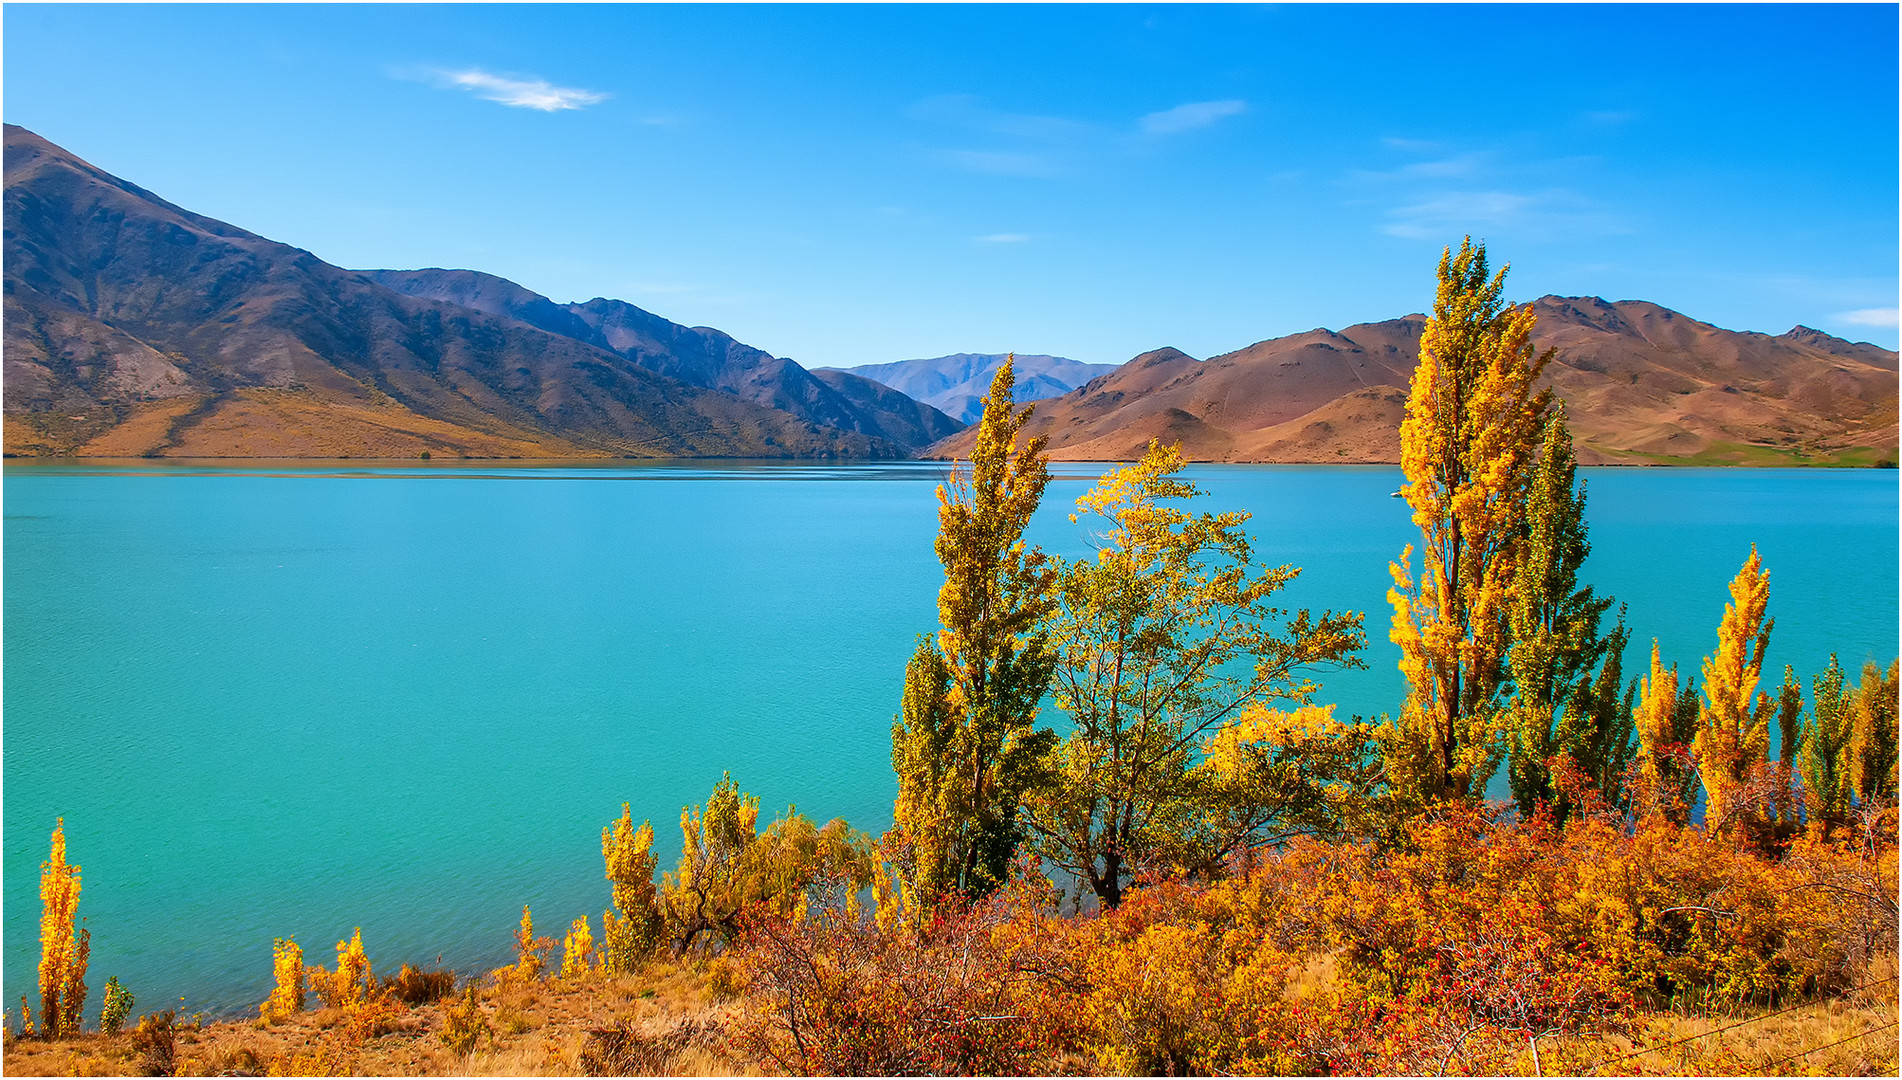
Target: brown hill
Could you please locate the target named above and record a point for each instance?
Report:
(1643, 384)
(136, 327)
(698, 355)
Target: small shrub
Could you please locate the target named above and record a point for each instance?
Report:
(118, 1005)
(352, 983)
(372, 1018)
(464, 1024)
(415, 986)
(531, 954)
(155, 1041)
(577, 951)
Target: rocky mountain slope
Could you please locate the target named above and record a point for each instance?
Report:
(957, 383)
(699, 355)
(136, 327)
(1642, 383)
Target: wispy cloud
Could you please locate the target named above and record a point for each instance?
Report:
(968, 111)
(1482, 192)
(519, 92)
(1195, 114)
(1543, 214)
(1466, 164)
(1045, 147)
(1868, 317)
(1005, 238)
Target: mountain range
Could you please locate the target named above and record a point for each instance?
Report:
(956, 384)
(1642, 385)
(136, 327)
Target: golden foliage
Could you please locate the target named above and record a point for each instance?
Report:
(351, 985)
(287, 989)
(1733, 731)
(577, 951)
(1665, 721)
(635, 931)
(63, 953)
(464, 1023)
(531, 954)
(963, 746)
(728, 866)
(1467, 446)
(1166, 635)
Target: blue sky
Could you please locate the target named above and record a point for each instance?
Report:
(860, 184)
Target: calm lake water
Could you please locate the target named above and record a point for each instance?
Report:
(289, 701)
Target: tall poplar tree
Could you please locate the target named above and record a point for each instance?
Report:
(1733, 730)
(1467, 446)
(1875, 734)
(1825, 759)
(963, 745)
(1666, 721)
(1557, 706)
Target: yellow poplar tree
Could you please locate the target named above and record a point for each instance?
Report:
(963, 745)
(63, 953)
(1467, 445)
(1666, 721)
(1875, 734)
(287, 982)
(1733, 730)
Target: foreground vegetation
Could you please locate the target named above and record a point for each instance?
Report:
(1210, 873)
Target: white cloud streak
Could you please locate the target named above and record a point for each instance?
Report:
(1189, 117)
(1005, 238)
(1869, 317)
(520, 93)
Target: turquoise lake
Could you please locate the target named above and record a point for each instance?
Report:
(277, 701)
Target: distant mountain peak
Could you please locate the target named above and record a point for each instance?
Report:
(956, 383)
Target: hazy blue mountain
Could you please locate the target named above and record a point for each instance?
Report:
(957, 383)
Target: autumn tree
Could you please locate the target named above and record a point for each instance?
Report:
(964, 745)
(1665, 719)
(63, 952)
(1558, 706)
(1166, 635)
(1875, 734)
(1789, 737)
(1826, 758)
(727, 865)
(1468, 444)
(632, 929)
(1733, 728)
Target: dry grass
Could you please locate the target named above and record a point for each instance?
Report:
(667, 1022)
(539, 1030)
(1852, 1035)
